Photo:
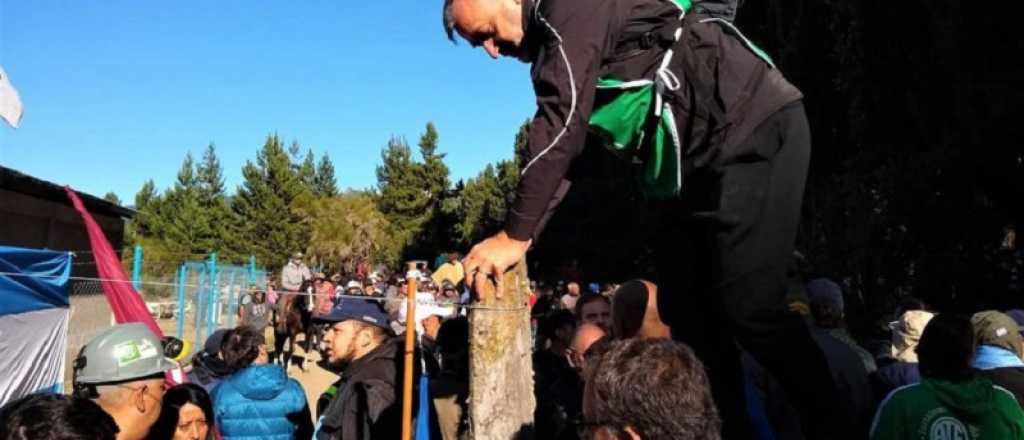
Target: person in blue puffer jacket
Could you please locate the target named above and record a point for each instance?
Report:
(260, 400)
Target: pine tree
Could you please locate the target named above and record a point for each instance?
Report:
(147, 207)
(185, 227)
(271, 225)
(213, 203)
(324, 184)
(307, 171)
(433, 175)
(402, 198)
(210, 174)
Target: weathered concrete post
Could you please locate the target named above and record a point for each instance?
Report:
(501, 399)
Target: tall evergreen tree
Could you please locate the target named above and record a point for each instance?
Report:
(402, 197)
(186, 230)
(307, 171)
(213, 203)
(210, 174)
(325, 184)
(433, 175)
(267, 202)
(147, 207)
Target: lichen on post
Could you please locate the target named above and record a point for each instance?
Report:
(501, 401)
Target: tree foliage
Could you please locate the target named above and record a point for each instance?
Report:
(412, 193)
(112, 198)
(324, 184)
(269, 205)
(346, 230)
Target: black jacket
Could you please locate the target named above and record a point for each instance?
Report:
(367, 404)
(726, 90)
(208, 371)
(850, 376)
(1011, 378)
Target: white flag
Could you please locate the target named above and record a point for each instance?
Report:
(10, 103)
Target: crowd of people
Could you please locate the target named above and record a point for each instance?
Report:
(605, 366)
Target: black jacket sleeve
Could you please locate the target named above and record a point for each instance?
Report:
(573, 40)
(303, 424)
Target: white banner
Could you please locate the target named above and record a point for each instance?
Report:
(10, 102)
(32, 346)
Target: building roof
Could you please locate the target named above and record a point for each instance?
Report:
(21, 183)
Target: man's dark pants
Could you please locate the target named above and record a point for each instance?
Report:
(722, 259)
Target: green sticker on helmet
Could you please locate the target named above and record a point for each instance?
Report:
(129, 352)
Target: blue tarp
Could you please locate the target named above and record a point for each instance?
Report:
(32, 279)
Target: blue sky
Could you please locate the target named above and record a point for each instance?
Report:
(116, 92)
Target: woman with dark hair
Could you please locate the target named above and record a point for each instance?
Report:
(950, 402)
(187, 414)
(259, 400)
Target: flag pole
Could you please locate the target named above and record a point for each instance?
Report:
(410, 345)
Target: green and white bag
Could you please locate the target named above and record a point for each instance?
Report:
(635, 122)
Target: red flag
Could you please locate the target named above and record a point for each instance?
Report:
(124, 300)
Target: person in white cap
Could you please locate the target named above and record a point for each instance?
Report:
(294, 273)
(354, 288)
(122, 369)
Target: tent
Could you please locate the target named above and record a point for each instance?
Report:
(34, 312)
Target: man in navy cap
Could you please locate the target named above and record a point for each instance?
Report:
(359, 343)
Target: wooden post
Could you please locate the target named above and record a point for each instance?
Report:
(410, 346)
(501, 401)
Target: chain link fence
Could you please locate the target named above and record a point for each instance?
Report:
(189, 303)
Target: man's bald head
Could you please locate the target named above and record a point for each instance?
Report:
(134, 405)
(635, 311)
(585, 336)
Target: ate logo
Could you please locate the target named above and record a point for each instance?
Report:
(948, 428)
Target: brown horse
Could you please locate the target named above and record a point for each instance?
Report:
(292, 318)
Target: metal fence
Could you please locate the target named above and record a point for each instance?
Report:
(209, 295)
(200, 297)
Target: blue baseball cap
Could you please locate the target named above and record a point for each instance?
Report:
(357, 309)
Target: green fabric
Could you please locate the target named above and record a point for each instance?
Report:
(935, 409)
(622, 114)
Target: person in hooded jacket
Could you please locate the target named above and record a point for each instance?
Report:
(208, 369)
(900, 367)
(950, 402)
(260, 400)
(998, 356)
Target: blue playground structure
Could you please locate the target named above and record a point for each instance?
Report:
(211, 294)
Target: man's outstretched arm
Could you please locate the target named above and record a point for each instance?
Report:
(564, 78)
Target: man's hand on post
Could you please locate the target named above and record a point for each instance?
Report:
(491, 258)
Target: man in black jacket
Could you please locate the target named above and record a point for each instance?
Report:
(365, 405)
(723, 145)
